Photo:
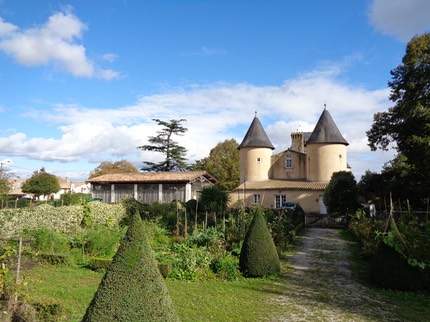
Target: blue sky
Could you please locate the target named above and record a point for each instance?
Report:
(82, 80)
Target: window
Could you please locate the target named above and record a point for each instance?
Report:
(258, 160)
(288, 161)
(280, 200)
(256, 199)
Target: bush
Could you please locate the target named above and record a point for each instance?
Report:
(99, 264)
(227, 267)
(48, 310)
(49, 241)
(132, 289)
(102, 242)
(54, 259)
(258, 256)
(69, 198)
(190, 263)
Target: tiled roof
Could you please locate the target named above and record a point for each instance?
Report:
(256, 137)
(282, 184)
(326, 131)
(151, 177)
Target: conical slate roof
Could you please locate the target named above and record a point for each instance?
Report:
(256, 137)
(326, 131)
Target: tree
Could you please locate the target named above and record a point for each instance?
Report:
(214, 199)
(174, 159)
(132, 288)
(371, 186)
(41, 183)
(258, 256)
(406, 125)
(223, 164)
(341, 194)
(105, 167)
(5, 185)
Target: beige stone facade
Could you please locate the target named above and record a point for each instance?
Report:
(299, 174)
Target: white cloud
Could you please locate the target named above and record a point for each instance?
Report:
(110, 57)
(214, 113)
(55, 43)
(400, 18)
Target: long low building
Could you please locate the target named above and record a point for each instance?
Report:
(150, 186)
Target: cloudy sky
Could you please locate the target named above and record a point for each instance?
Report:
(82, 80)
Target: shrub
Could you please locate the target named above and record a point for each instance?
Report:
(99, 264)
(49, 241)
(48, 310)
(227, 267)
(132, 289)
(70, 198)
(54, 259)
(102, 242)
(258, 256)
(190, 263)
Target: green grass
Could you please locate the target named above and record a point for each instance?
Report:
(215, 300)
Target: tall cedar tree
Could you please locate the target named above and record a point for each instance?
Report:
(106, 167)
(41, 183)
(407, 123)
(341, 194)
(223, 164)
(132, 288)
(258, 256)
(174, 154)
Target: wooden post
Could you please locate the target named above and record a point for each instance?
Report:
(186, 224)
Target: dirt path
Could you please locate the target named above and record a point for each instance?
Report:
(320, 286)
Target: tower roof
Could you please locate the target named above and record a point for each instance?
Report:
(256, 137)
(326, 131)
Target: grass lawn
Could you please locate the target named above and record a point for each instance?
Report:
(241, 300)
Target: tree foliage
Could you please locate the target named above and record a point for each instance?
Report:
(258, 256)
(41, 183)
(214, 199)
(132, 288)
(223, 164)
(122, 166)
(371, 186)
(174, 154)
(5, 185)
(341, 194)
(406, 125)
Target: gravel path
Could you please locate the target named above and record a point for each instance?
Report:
(320, 286)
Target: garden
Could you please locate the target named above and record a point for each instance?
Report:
(66, 250)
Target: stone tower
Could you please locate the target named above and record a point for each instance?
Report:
(326, 150)
(255, 153)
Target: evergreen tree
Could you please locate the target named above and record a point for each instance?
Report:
(174, 154)
(258, 256)
(132, 288)
(341, 194)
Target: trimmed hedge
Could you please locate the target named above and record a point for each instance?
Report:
(132, 289)
(258, 256)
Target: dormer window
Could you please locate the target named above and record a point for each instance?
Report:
(288, 162)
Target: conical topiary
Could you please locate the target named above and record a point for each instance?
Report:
(132, 288)
(258, 256)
